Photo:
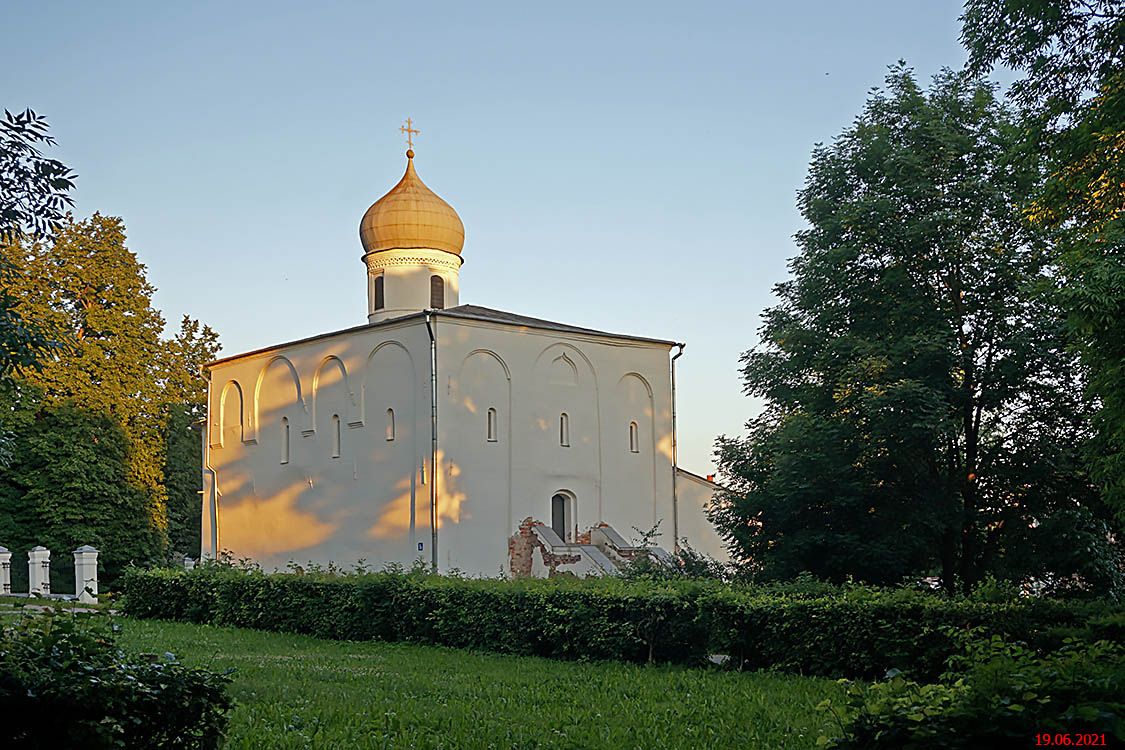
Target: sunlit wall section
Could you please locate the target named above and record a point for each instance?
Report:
(476, 464)
(558, 411)
(392, 468)
(629, 459)
(573, 398)
(322, 473)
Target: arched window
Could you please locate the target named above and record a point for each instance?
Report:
(390, 424)
(437, 292)
(335, 436)
(492, 426)
(564, 430)
(285, 440)
(380, 302)
(634, 438)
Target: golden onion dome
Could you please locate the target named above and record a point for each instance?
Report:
(411, 216)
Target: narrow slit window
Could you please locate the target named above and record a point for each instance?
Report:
(380, 302)
(564, 430)
(390, 424)
(492, 426)
(437, 292)
(634, 438)
(335, 436)
(285, 440)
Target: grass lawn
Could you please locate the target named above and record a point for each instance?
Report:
(300, 692)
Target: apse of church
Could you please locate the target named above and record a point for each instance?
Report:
(460, 435)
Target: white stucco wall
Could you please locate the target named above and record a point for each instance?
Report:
(364, 503)
(531, 378)
(695, 496)
(370, 501)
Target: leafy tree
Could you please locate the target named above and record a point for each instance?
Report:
(69, 486)
(35, 189)
(922, 411)
(23, 344)
(1072, 55)
(90, 292)
(185, 392)
(78, 332)
(34, 192)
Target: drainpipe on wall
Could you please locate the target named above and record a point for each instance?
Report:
(675, 459)
(433, 445)
(211, 501)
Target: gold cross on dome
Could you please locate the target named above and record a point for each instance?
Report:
(409, 131)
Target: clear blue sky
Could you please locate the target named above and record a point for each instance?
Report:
(630, 167)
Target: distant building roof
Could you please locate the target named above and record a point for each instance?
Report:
(698, 478)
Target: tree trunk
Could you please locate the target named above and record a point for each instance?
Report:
(949, 560)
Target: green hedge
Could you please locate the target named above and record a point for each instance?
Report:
(850, 632)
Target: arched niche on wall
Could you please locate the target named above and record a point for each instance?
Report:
(231, 416)
(634, 407)
(565, 382)
(278, 406)
(483, 395)
(388, 396)
(331, 396)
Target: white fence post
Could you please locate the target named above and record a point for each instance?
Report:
(86, 574)
(5, 571)
(39, 571)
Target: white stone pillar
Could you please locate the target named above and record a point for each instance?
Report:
(5, 571)
(39, 571)
(86, 574)
(189, 564)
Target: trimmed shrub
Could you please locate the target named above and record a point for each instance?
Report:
(64, 684)
(863, 632)
(840, 632)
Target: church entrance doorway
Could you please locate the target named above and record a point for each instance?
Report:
(562, 515)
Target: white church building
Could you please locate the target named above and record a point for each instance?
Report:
(472, 439)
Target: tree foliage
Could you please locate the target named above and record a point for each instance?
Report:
(34, 193)
(1072, 56)
(185, 393)
(104, 451)
(922, 411)
(69, 486)
(89, 291)
(100, 432)
(34, 190)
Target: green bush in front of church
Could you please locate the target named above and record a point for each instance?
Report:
(65, 684)
(996, 693)
(857, 632)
